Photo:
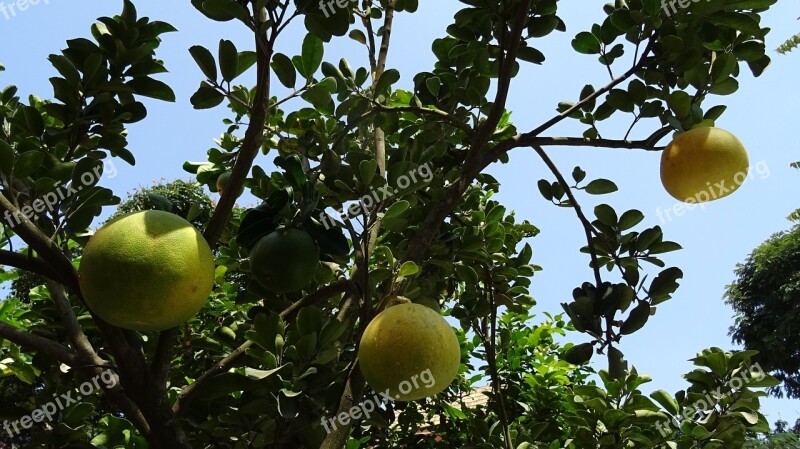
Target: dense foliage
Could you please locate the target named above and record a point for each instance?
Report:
(765, 297)
(261, 369)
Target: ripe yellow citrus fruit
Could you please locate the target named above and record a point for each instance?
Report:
(703, 164)
(147, 271)
(285, 260)
(409, 350)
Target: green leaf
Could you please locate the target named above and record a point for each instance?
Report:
(467, 274)
(606, 214)
(715, 112)
(600, 187)
(385, 82)
(666, 401)
(408, 268)
(664, 285)
(206, 97)
(396, 210)
(228, 60)
(579, 354)
(358, 36)
(312, 54)
(726, 87)
(617, 366)
(27, 163)
(205, 60)
(586, 43)
(247, 59)
(630, 219)
(531, 54)
(637, 319)
(225, 10)
(149, 87)
(546, 189)
(319, 96)
(284, 69)
(578, 174)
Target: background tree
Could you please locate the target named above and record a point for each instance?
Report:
(765, 299)
(257, 368)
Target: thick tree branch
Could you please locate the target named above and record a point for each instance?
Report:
(474, 161)
(646, 144)
(28, 263)
(253, 138)
(70, 321)
(511, 47)
(162, 359)
(41, 345)
(88, 354)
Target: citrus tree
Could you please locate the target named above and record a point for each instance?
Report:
(273, 356)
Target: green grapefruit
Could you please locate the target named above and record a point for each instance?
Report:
(409, 350)
(285, 260)
(222, 183)
(146, 271)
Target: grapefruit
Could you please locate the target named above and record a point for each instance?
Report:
(146, 271)
(409, 350)
(285, 260)
(222, 182)
(703, 164)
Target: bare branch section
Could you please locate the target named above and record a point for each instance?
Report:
(587, 225)
(528, 138)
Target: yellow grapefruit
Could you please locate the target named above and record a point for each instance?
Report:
(147, 271)
(703, 164)
(409, 350)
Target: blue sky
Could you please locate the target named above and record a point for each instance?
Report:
(762, 114)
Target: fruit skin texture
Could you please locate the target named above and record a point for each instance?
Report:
(146, 271)
(699, 157)
(285, 260)
(404, 341)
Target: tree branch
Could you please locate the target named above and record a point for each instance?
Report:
(520, 139)
(28, 263)
(646, 144)
(44, 246)
(41, 345)
(88, 353)
(354, 384)
(474, 163)
(504, 79)
(188, 392)
(254, 136)
(587, 225)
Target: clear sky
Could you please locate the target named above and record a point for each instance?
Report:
(762, 114)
